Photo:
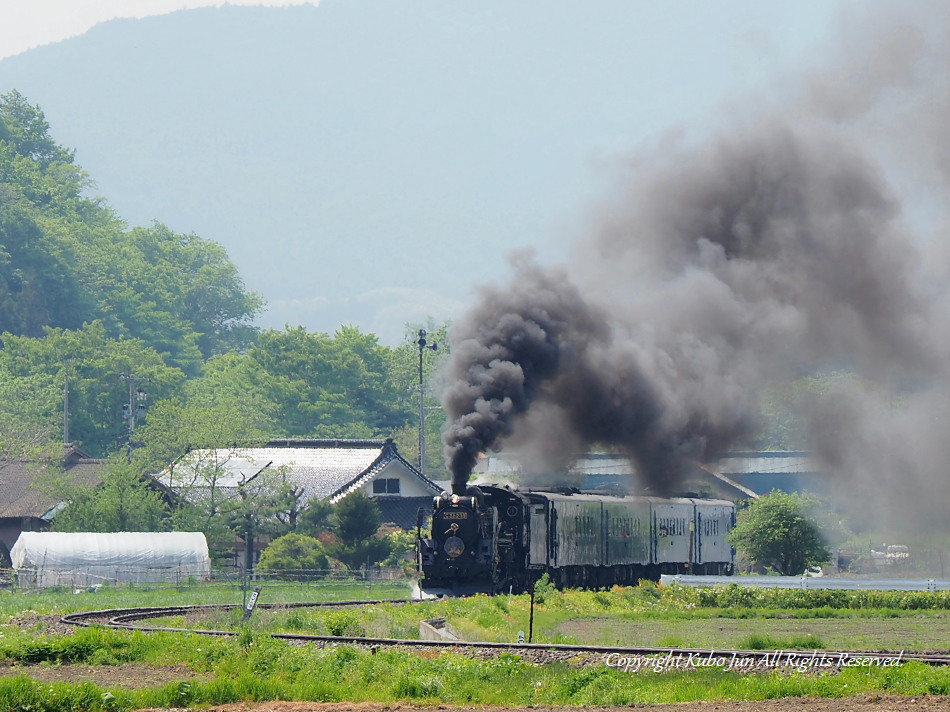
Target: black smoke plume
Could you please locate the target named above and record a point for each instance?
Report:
(774, 250)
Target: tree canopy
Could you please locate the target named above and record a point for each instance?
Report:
(778, 532)
(66, 260)
(294, 551)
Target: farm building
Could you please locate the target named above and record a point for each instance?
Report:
(733, 475)
(762, 472)
(316, 469)
(25, 504)
(603, 471)
(44, 559)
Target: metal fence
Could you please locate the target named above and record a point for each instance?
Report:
(300, 581)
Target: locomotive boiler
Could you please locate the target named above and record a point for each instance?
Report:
(494, 538)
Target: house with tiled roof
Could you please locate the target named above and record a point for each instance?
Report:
(318, 469)
(27, 506)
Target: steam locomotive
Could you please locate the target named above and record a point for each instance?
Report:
(492, 539)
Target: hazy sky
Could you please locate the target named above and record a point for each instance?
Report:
(408, 146)
(25, 24)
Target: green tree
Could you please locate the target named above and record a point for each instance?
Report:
(357, 518)
(315, 517)
(778, 531)
(39, 285)
(324, 386)
(180, 293)
(93, 364)
(191, 442)
(256, 510)
(294, 551)
(401, 546)
(176, 426)
(24, 126)
(66, 259)
(29, 422)
(123, 502)
(236, 378)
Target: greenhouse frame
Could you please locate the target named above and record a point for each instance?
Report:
(84, 559)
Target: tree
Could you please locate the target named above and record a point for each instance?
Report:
(123, 502)
(356, 521)
(778, 532)
(93, 363)
(316, 517)
(180, 293)
(66, 259)
(38, 284)
(325, 386)
(28, 421)
(175, 427)
(195, 440)
(25, 127)
(294, 551)
(256, 509)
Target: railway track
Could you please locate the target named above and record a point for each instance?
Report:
(615, 656)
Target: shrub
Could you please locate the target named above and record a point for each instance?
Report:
(343, 623)
(294, 551)
(543, 588)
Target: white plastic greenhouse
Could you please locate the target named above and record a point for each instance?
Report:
(45, 559)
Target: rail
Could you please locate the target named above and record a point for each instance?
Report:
(123, 618)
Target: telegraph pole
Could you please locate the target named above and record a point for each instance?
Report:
(134, 410)
(66, 406)
(423, 345)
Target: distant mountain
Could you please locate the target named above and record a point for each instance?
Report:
(368, 162)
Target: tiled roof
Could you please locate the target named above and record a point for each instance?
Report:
(322, 468)
(21, 497)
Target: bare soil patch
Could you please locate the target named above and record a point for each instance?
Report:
(131, 676)
(49, 624)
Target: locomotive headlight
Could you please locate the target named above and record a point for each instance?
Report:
(454, 547)
(455, 499)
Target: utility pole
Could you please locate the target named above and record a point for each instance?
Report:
(134, 410)
(66, 406)
(423, 345)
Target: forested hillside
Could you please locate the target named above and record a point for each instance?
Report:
(86, 299)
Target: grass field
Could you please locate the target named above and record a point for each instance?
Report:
(195, 670)
(131, 596)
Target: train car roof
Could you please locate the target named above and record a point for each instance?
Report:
(573, 495)
(633, 498)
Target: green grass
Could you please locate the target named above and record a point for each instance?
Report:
(264, 669)
(912, 632)
(646, 616)
(130, 596)
(253, 666)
